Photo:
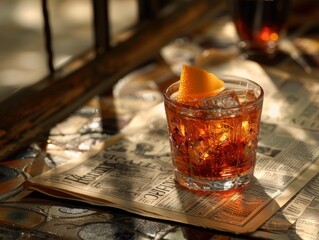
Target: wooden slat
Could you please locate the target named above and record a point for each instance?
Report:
(32, 112)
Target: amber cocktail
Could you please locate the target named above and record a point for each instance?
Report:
(213, 140)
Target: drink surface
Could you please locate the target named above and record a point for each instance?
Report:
(215, 138)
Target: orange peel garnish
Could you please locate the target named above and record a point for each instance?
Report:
(197, 83)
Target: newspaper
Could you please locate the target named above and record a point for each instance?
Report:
(298, 219)
(291, 101)
(133, 171)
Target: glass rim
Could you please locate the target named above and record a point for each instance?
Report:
(226, 79)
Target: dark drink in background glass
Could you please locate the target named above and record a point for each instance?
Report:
(259, 24)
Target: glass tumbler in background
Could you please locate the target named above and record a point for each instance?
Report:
(213, 141)
(260, 24)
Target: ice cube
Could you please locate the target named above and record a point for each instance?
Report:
(225, 99)
(246, 96)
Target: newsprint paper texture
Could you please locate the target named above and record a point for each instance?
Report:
(133, 171)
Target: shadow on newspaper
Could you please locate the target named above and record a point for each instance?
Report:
(249, 208)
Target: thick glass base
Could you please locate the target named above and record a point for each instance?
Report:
(213, 185)
(259, 47)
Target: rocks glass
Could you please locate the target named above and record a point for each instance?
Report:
(213, 142)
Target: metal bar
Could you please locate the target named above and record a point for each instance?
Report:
(148, 9)
(47, 37)
(101, 25)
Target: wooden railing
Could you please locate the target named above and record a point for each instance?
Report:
(29, 114)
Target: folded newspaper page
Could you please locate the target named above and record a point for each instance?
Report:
(133, 171)
(140, 147)
(299, 218)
